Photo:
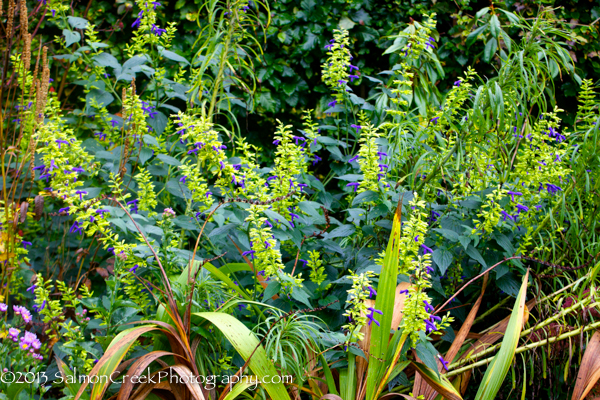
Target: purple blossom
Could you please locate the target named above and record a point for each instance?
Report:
(157, 31)
(434, 120)
(457, 83)
(381, 154)
(426, 249)
(444, 362)
(37, 308)
(332, 104)
(372, 292)
(183, 178)
(317, 159)
(353, 68)
(23, 312)
(522, 208)
(13, 333)
(81, 193)
(25, 244)
(353, 159)
(506, 215)
(60, 141)
(513, 194)
(371, 317)
(355, 184)
(552, 189)
(430, 326)
(76, 228)
(357, 127)
(137, 21)
(428, 307)
(3, 307)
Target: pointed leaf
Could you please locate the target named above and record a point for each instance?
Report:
(248, 347)
(589, 372)
(498, 368)
(439, 383)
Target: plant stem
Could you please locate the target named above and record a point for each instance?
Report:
(528, 347)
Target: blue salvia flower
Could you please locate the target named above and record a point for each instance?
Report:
(316, 160)
(457, 83)
(522, 208)
(381, 154)
(428, 307)
(426, 249)
(372, 292)
(355, 184)
(60, 141)
(353, 159)
(552, 189)
(81, 193)
(506, 215)
(183, 178)
(444, 362)
(76, 228)
(513, 194)
(137, 21)
(434, 120)
(249, 253)
(357, 127)
(157, 31)
(371, 315)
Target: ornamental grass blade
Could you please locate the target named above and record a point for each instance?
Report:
(589, 372)
(250, 349)
(483, 342)
(186, 375)
(137, 369)
(498, 368)
(240, 387)
(439, 383)
(386, 298)
(111, 359)
(73, 385)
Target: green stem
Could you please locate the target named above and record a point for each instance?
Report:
(527, 347)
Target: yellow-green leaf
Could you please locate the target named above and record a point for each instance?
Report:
(498, 368)
(248, 347)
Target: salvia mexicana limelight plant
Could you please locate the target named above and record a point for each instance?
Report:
(178, 238)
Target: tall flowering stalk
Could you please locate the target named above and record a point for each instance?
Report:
(371, 160)
(357, 311)
(337, 70)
